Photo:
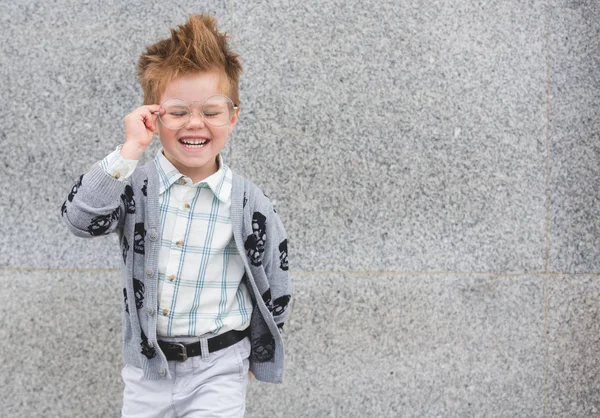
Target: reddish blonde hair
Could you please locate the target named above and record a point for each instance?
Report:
(194, 47)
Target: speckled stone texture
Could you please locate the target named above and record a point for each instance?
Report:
(435, 163)
(400, 135)
(575, 136)
(574, 346)
(60, 344)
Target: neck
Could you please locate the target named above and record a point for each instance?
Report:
(205, 172)
(196, 173)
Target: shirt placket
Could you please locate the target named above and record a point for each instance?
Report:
(181, 199)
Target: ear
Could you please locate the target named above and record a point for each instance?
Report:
(233, 121)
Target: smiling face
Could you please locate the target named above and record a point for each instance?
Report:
(193, 149)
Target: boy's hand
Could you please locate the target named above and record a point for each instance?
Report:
(140, 126)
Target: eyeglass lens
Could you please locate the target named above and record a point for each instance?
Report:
(216, 110)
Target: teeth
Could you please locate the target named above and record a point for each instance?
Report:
(194, 144)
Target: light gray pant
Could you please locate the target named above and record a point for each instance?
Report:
(203, 386)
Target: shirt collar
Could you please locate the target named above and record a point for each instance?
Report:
(219, 182)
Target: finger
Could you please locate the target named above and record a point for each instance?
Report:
(149, 116)
(151, 108)
(150, 122)
(156, 111)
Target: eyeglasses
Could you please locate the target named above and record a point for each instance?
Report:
(217, 110)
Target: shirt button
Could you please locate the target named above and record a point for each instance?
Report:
(117, 175)
(149, 272)
(165, 312)
(184, 181)
(150, 311)
(179, 243)
(172, 277)
(187, 206)
(162, 372)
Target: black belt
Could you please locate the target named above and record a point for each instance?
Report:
(180, 352)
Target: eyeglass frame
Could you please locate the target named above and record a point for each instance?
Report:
(189, 105)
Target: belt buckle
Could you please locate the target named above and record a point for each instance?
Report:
(183, 351)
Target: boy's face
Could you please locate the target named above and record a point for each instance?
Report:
(195, 161)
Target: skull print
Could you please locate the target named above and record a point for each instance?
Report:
(125, 300)
(283, 255)
(127, 198)
(255, 243)
(75, 188)
(138, 290)
(125, 248)
(149, 352)
(280, 305)
(138, 238)
(145, 187)
(266, 297)
(102, 223)
(263, 349)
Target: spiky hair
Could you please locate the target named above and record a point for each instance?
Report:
(194, 47)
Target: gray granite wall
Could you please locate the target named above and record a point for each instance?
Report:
(436, 164)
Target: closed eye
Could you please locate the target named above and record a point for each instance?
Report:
(178, 114)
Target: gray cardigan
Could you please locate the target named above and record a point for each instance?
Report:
(99, 204)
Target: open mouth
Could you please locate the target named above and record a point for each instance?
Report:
(193, 143)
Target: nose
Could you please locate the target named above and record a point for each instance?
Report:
(197, 120)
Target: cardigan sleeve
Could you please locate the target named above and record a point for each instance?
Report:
(97, 204)
(276, 267)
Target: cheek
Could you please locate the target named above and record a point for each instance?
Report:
(166, 136)
(220, 133)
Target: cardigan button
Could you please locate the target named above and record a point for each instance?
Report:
(149, 272)
(150, 311)
(153, 235)
(162, 372)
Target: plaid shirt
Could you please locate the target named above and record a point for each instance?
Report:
(200, 288)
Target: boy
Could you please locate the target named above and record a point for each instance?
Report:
(205, 271)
